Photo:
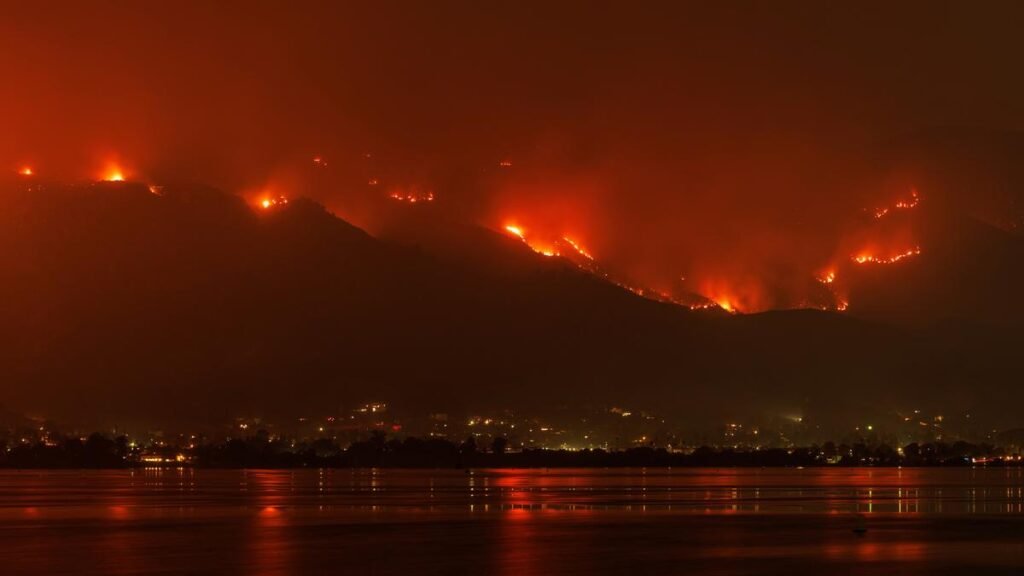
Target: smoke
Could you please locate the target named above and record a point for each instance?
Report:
(698, 148)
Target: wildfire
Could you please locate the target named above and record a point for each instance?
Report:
(547, 247)
(268, 203)
(914, 200)
(867, 258)
(912, 203)
(319, 161)
(726, 304)
(828, 277)
(578, 248)
(516, 231)
(113, 174)
(505, 164)
(410, 197)
(26, 171)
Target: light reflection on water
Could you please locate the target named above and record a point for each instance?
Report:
(520, 522)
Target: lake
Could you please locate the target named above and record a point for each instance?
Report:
(516, 522)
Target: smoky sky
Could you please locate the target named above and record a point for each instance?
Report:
(725, 141)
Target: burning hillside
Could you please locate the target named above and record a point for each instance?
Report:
(888, 235)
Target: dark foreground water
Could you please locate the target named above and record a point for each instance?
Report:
(516, 522)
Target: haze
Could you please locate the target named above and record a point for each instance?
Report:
(724, 143)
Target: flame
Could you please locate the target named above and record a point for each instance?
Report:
(547, 247)
(516, 231)
(868, 258)
(578, 248)
(912, 203)
(319, 161)
(871, 254)
(268, 202)
(725, 304)
(26, 171)
(113, 173)
(733, 294)
(915, 199)
(411, 197)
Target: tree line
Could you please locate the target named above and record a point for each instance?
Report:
(261, 451)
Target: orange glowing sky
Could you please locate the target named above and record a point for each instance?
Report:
(666, 141)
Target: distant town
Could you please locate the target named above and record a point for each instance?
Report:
(372, 435)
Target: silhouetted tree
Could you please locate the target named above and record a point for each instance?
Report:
(498, 445)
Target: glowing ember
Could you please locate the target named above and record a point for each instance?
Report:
(373, 182)
(828, 277)
(410, 197)
(915, 199)
(866, 258)
(505, 164)
(319, 161)
(576, 246)
(268, 203)
(912, 203)
(26, 171)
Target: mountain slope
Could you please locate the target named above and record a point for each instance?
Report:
(128, 305)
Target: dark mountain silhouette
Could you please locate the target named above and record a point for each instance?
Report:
(118, 303)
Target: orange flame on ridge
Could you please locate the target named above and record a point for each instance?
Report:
(113, 173)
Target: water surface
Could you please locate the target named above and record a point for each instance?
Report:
(521, 522)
